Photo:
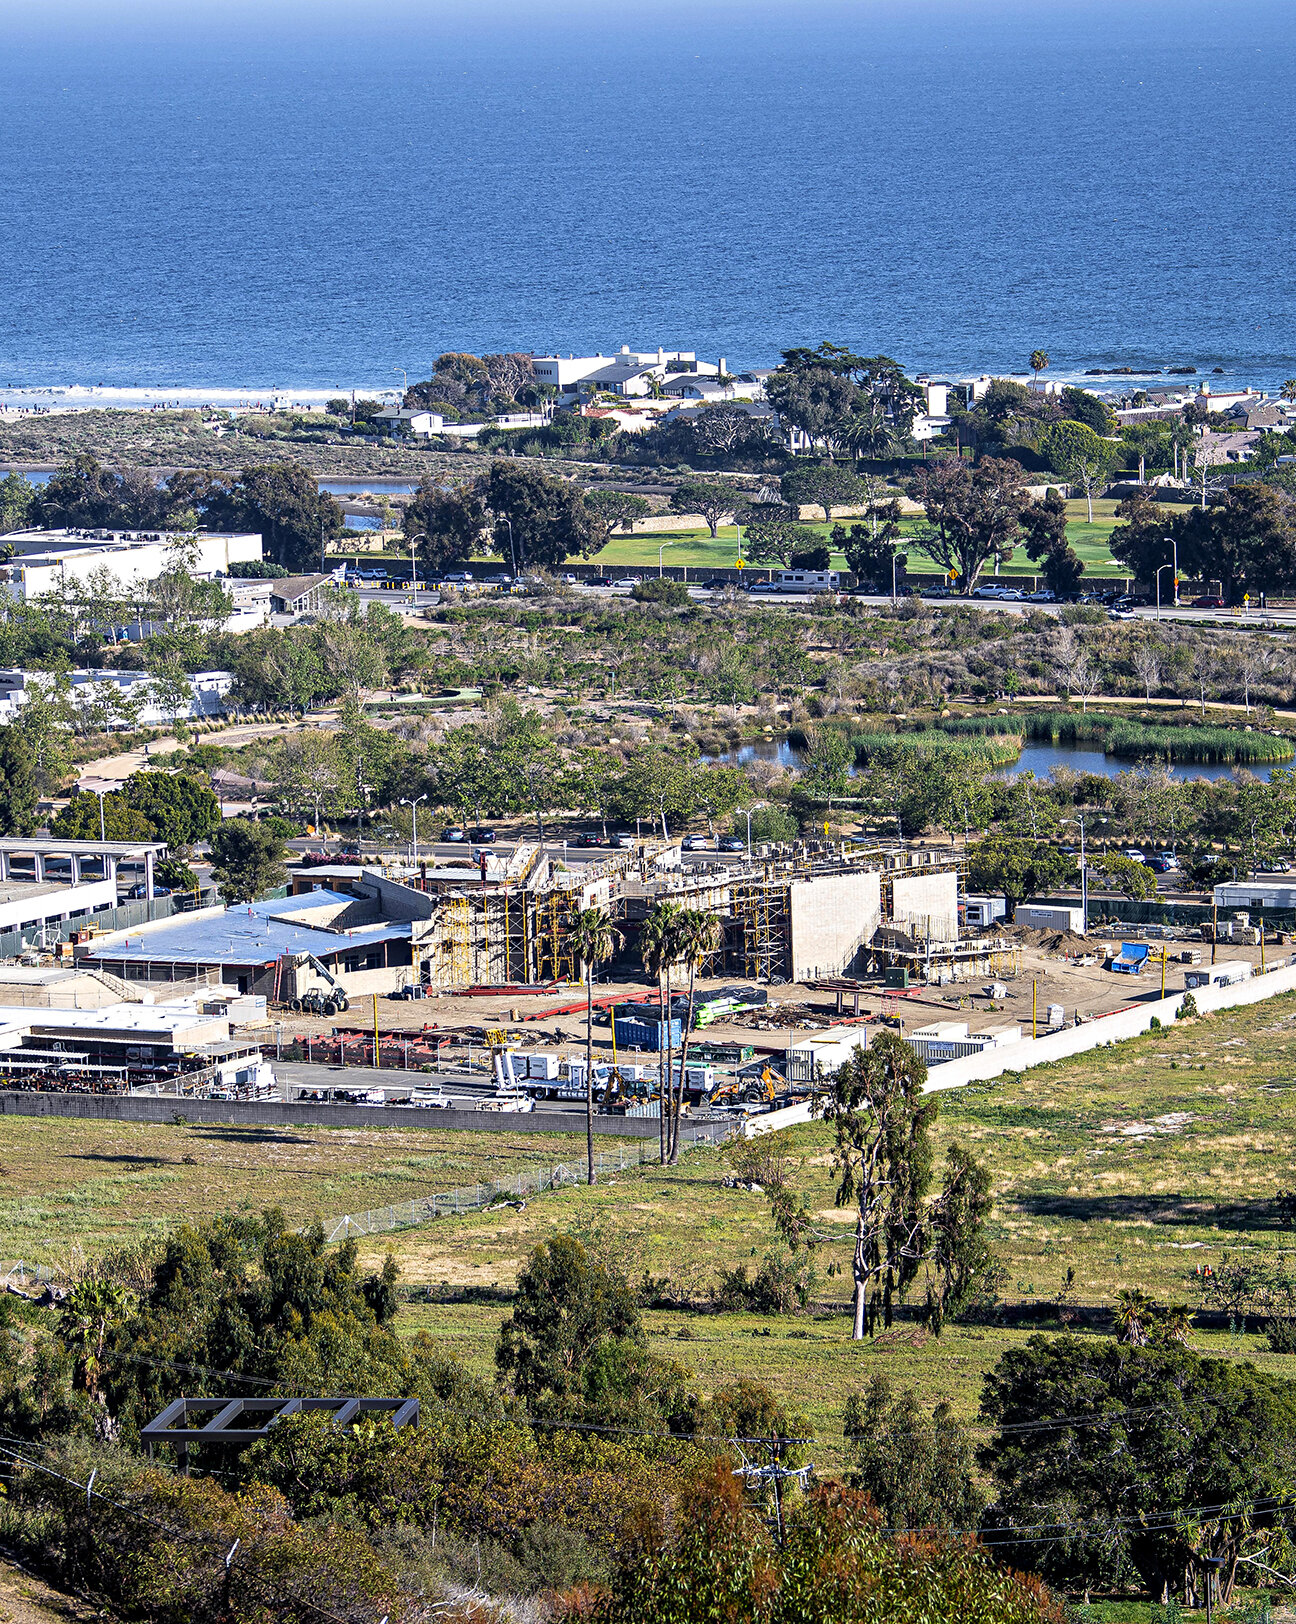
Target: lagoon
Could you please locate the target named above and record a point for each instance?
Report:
(1039, 759)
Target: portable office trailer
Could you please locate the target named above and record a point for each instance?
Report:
(980, 912)
(1225, 974)
(803, 1059)
(1037, 916)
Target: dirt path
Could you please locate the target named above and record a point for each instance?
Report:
(116, 769)
(25, 1599)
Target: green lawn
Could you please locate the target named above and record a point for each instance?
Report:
(697, 550)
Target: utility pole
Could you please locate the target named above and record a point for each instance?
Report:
(772, 1471)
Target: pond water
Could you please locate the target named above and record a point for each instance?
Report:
(376, 487)
(1039, 759)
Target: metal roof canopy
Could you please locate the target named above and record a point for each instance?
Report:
(50, 847)
(258, 1416)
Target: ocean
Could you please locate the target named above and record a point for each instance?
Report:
(285, 198)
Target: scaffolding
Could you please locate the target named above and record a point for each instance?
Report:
(456, 943)
(759, 938)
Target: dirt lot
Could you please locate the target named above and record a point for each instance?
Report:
(547, 1020)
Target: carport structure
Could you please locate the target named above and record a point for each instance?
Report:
(109, 854)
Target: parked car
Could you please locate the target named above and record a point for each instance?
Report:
(1117, 613)
(989, 591)
(587, 838)
(458, 578)
(1209, 603)
(480, 835)
(696, 843)
(1012, 594)
(600, 580)
(350, 851)
(763, 586)
(1134, 855)
(138, 892)
(732, 843)
(455, 834)
(626, 581)
(1044, 595)
(936, 591)
(624, 841)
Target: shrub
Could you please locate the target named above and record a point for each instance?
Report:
(1282, 1335)
(1187, 1010)
(669, 594)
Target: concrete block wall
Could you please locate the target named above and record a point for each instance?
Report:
(928, 903)
(833, 916)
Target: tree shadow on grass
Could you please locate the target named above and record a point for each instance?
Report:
(1190, 1211)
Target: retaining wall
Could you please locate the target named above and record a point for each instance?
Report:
(152, 1108)
(1125, 1023)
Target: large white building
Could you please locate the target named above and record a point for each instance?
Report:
(626, 373)
(123, 698)
(46, 560)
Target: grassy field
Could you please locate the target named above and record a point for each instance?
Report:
(68, 1185)
(1131, 1166)
(697, 550)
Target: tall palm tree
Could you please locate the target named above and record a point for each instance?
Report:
(1289, 389)
(593, 940)
(1039, 363)
(658, 949)
(699, 935)
(869, 432)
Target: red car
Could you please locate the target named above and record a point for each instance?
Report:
(1209, 603)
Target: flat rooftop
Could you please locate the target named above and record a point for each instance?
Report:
(33, 890)
(247, 934)
(48, 846)
(60, 541)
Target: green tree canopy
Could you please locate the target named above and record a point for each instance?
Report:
(827, 485)
(180, 808)
(1004, 865)
(450, 524)
(1132, 1450)
(247, 859)
(973, 514)
(715, 499)
(540, 519)
(567, 1308)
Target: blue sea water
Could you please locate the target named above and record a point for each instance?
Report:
(280, 195)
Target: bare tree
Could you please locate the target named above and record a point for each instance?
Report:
(1146, 660)
(1203, 668)
(1256, 660)
(1085, 676)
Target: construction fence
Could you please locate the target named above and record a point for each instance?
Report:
(474, 1197)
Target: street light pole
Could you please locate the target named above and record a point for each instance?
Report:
(1175, 546)
(1158, 584)
(660, 551)
(420, 536)
(414, 806)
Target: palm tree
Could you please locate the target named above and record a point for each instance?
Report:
(1039, 363)
(1289, 389)
(869, 433)
(593, 940)
(659, 950)
(699, 935)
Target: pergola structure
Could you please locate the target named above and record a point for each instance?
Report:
(108, 852)
(240, 1421)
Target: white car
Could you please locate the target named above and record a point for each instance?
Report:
(696, 843)
(627, 581)
(1042, 596)
(990, 591)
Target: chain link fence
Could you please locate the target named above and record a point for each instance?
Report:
(474, 1197)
